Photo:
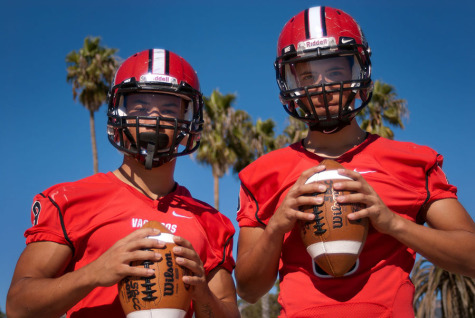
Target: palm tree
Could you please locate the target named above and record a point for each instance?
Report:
(384, 107)
(263, 140)
(258, 140)
(90, 71)
(295, 131)
(266, 307)
(455, 292)
(222, 142)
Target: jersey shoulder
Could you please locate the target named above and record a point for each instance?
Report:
(207, 215)
(416, 167)
(215, 227)
(276, 165)
(96, 183)
(400, 146)
(404, 153)
(279, 157)
(98, 178)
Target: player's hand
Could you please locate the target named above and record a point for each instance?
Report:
(114, 264)
(381, 217)
(289, 212)
(188, 258)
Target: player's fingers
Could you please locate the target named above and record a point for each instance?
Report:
(363, 213)
(194, 280)
(182, 242)
(306, 215)
(142, 255)
(352, 186)
(308, 173)
(138, 271)
(145, 243)
(312, 199)
(356, 198)
(138, 235)
(350, 173)
(195, 266)
(312, 187)
(294, 196)
(137, 244)
(187, 253)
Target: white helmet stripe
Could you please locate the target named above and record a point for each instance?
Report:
(315, 23)
(159, 61)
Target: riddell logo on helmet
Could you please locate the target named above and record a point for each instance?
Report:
(158, 78)
(313, 43)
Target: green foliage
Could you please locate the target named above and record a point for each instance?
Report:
(255, 310)
(258, 140)
(91, 70)
(295, 131)
(223, 130)
(229, 139)
(455, 292)
(384, 107)
(223, 137)
(2, 314)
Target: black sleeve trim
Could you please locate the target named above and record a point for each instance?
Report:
(226, 244)
(421, 218)
(255, 201)
(71, 245)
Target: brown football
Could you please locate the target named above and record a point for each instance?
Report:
(161, 295)
(333, 241)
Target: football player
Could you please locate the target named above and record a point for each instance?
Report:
(323, 72)
(85, 234)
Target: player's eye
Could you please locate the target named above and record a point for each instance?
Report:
(137, 110)
(335, 76)
(308, 79)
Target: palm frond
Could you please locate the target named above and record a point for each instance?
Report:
(454, 292)
(384, 107)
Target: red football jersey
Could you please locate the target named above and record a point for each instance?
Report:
(406, 176)
(91, 214)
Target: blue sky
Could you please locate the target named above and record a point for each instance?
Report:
(423, 48)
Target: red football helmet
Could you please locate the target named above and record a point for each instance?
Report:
(155, 137)
(322, 67)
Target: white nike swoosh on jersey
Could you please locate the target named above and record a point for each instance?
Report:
(363, 172)
(181, 216)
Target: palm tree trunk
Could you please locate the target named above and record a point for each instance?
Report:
(265, 305)
(93, 141)
(216, 190)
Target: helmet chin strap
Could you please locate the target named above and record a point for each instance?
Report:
(152, 142)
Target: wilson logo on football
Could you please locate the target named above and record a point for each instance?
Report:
(333, 241)
(162, 295)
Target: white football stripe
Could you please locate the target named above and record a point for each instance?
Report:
(334, 247)
(158, 313)
(315, 23)
(163, 237)
(327, 175)
(158, 61)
